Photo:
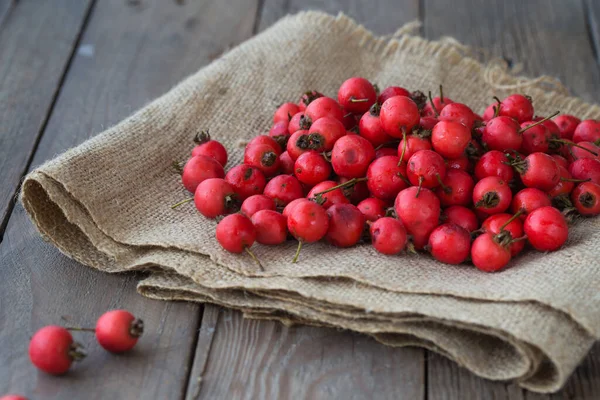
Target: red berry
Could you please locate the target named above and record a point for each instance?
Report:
(307, 98)
(357, 95)
(324, 132)
(560, 160)
(392, 91)
(307, 222)
(285, 112)
(450, 139)
(582, 150)
(372, 208)
(52, 350)
(492, 195)
(371, 129)
(388, 236)
(518, 107)
(350, 121)
(264, 140)
(399, 115)
(246, 180)
(288, 209)
(334, 197)
(256, 203)
(346, 224)
(426, 168)
(386, 151)
(462, 163)
(298, 122)
(586, 199)
(297, 144)
(539, 170)
(546, 229)
(502, 133)
(312, 168)
(450, 244)
(419, 215)
(564, 185)
(351, 156)
(198, 169)
(494, 163)
(550, 125)
(283, 189)
(567, 125)
(414, 143)
(456, 188)
(586, 168)
(528, 200)
(271, 227)
(324, 107)
(498, 223)
(286, 163)
(488, 255)
(461, 216)
(262, 157)
(279, 132)
(13, 397)
(535, 139)
(587, 131)
(215, 197)
(460, 113)
(439, 103)
(385, 179)
(210, 148)
(428, 123)
(356, 192)
(118, 330)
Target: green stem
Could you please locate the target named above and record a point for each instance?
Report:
(297, 252)
(575, 180)
(432, 105)
(182, 202)
(511, 219)
(254, 258)
(403, 147)
(570, 144)
(351, 182)
(441, 94)
(78, 328)
(353, 100)
(541, 121)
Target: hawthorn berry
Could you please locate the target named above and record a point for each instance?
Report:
(53, 350)
(118, 330)
(388, 235)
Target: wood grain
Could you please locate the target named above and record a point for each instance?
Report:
(548, 37)
(129, 54)
(592, 12)
(36, 42)
(265, 360)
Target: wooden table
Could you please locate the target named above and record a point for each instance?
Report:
(71, 68)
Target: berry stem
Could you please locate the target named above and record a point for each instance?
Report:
(202, 137)
(444, 187)
(432, 105)
(297, 252)
(182, 202)
(519, 239)
(570, 144)
(403, 147)
(441, 93)
(254, 258)
(420, 185)
(497, 108)
(353, 100)
(178, 166)
(347, 115)
(575, 180)
(511, 219)
(351, 182)
(80, 329)
(541, 121)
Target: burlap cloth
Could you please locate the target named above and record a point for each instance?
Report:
(106, 204)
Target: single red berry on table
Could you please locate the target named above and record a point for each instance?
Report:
(508, 228)
(209, 148)
(388, 235)
(494, 163)
(546, 229)
(586, 199)
(215, 197)
(456, 188)
(371, 129)
(372, 208)
(262, 157)
(450, 243)
(586, 168)
(587, 131)
(324, 132)
(312, 168)
(285, 112)
(461, 216)
(518, 107)
(392, 91)
(271, 227)
(308, 222)
(346, 224)
(118, 330)
(335, 196)
(351, 156)
(307, 98)
(567, 125)
(256, 203)
(385, 179)
(246, 180)
(357, 95)
(198, 169)
(488, 254)
(53, 350)
(283, 189)
(492, 195)
(324, 107)
(419, 214)
(450, 138)
(460, 113)
(426, 168)
(399, 115)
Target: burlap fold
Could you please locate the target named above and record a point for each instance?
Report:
(106, 204)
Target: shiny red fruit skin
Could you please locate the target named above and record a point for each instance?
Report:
(49, 349)
(567, 125)
(113, 331)
(494, 163)
(450, 138)
(385, 179)
(359, 89)
(308, 222)
(388, 236)
(392, 91)
(286, 163)
(256, 203)
(518, 107)
(198, 169)
(325, 131)
(586, 199)
(458, 112)
(563, 187)
(246, 180)
(461, 216)
(493, 223)
(576, 153)
(457, 189)
(540, 172)
(560, 160)
(425, 167)
(280, 128)
(529, 199)
(285, 112)
(212, 149)
(346, 224)
(487, 255)
(324, 107)
(213, 197)
(351, 156)
(535, 139)
(270, 226)
(546, 229)
(502, 133)
(372, 208)
(450, 243)
(399, 114)
(264, 140)
(586, 168)
(283, 189)
(235, 232)
(334, 197)
(492, 184)
(419, 215)
(587, 131)
(288, 209)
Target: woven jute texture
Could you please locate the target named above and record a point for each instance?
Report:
(106, 204)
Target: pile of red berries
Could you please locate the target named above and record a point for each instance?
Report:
(404, 171)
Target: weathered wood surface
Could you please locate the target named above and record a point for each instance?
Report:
(37, 39)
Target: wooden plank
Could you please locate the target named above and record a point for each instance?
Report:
(592, 13)
(148, 48)
(535, 33)
(265, 360)
(36, 42)
(382, 17)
